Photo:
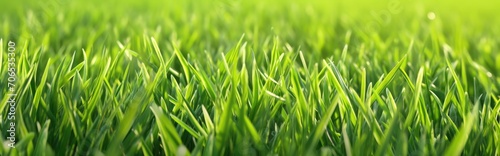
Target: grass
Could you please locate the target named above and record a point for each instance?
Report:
(309, 77)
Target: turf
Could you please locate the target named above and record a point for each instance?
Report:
(313, 77)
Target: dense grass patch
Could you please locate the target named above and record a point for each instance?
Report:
(251, 77)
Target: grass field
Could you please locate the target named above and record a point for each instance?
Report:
(233, 77)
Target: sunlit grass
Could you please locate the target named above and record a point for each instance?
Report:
(253, 78)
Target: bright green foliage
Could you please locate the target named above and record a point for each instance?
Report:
(263, 77)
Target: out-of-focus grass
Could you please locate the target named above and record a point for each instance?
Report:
(253, 77)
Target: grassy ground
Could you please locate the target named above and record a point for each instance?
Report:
(250, 77)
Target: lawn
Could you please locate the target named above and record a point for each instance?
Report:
(234, 77)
